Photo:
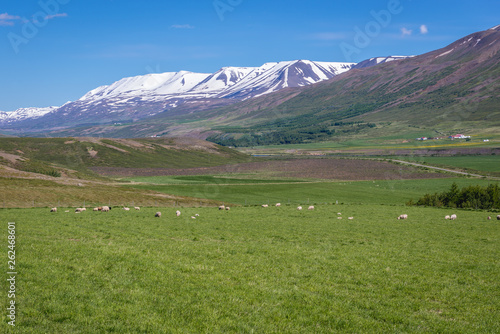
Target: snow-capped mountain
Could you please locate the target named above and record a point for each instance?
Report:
(378, 60)
(135, 98)
(228, 82)
(20, 114)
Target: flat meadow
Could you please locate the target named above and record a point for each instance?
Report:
(254, 270)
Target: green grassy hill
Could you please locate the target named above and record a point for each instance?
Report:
(57, 171)
(81, 154)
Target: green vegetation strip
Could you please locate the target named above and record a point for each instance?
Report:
(394, 192)
(275, 270)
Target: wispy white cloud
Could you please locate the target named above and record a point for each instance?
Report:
(182, 26)
(406, 32)
(50, 17)
(423, 29)
(8, 20)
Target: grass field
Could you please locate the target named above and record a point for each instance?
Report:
(274, 270)
(482, 163)
(369, 145)
(251, 269)
(390, 192)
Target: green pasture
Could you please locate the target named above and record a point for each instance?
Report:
(363, 144)
(482, 163)
(391, 192)
(254, 270)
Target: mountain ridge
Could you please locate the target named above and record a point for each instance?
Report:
(138, 97)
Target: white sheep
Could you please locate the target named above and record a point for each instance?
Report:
(126, 209)
(228, 208)
(78, 210)
(178, 213)
(405, 216)
(265, 205)
(96, 209)
(158, 214)
(311, 207)
(299, 208)
(350, 218)
(53, 210)
(278, 205)
(447, 217)
(137, 208)
(498, 217)
(453, 217)
(222, 207)
(105, 209)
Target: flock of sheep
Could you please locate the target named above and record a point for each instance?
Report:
(311, 207)
(227, 208)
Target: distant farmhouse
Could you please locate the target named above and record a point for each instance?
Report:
(459, 136)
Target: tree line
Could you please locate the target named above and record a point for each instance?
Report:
(470, 197)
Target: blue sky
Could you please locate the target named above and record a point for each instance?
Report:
(53, 51)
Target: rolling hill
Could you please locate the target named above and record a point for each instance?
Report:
(76, 157)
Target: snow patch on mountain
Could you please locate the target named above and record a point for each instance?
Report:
(24, 113)
(137, 97)
(228, 82)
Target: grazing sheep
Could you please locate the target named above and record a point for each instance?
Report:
(453, 217)
(498, 217)
(489, 218)
(405, 216)
(339, 217)
(178, 213)
(299, 208)
(339, 213)
(193, 217)
(222, 207)
(265, 205)
(158, 214)
(105, 209)
(196, 215)
(137, 208)
(311, 207)
(350, 218)
(126, 209)
(96, 209)
(278, 205)
(228, 208)
(78, 210)
(53, 210)
(447, 217)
